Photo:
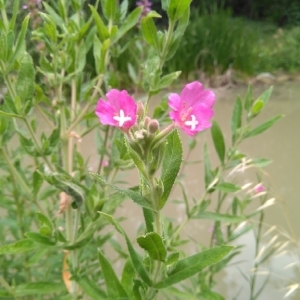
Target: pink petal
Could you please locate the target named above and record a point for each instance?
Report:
(105, 113)
(190, 93)
(121, 100)
(175, 101)
(202, 112)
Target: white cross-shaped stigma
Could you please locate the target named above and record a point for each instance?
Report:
(192, 123)
(121, 119)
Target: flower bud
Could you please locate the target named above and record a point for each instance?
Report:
(147, 121)
(153, 126)
(140, 110)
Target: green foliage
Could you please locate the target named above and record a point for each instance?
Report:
(214, 42)
(76, 53)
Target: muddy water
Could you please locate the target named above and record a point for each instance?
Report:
(281, 144)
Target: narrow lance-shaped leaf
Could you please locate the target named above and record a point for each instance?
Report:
(218, 140)
(18, 247)
(91, 288)
(25, 82)
(10, 115)
(131, 20)
(38, 288)
(260, 103)
(109, 8)
(263, 127)
(171, 165)
(39, 238)
(166, 81)
(135, 196)
(113, 285)
(20, 44)
(236, 119)
(219, 217)
(153, 244)
(136, 261)
(191, 265)
(227, 187)
(102, 29)
(149, 32)
(128, 276)
(12, 22)
(176, 8)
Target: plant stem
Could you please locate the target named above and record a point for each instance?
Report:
(104, 147)
(37, 144)
(20, 180)
(256, 265)
(87, 106)
(5, 284)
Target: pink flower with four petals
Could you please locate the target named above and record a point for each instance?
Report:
(119, 110)
(192, 109)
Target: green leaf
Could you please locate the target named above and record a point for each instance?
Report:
(153, 244)
(218, 140)
(260, 103)
(102, 29)
(67, 184)
(25, 82)
(39, 238)
(38, 288)
(131, 20)
(191, 265)
(136, 260)
(263, 127)
(227, 187)
(113, 285)
(149, 219)
(219, 217)
(13, 18)
(44, 220)
(81, 242)
(128, 276)
(37, 182)
(166, 81)
(20, 44)
(135, 196)
(265, 96)
(179, 32)
(256, 108)
(136, 159)
(209, 295)
(18, 247)
(124, 10)
(10, 115)
(171, 165)
(91, 288)
(236, 119)
(172, 258)
(56, 17)
(149, 32)
(261, 162)
(109, 8)
(176, 8)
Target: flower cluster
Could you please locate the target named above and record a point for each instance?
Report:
(191, 110)
(146, 5)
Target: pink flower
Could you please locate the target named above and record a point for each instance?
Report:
(192, 110)
(259, 188)
(119, 110)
